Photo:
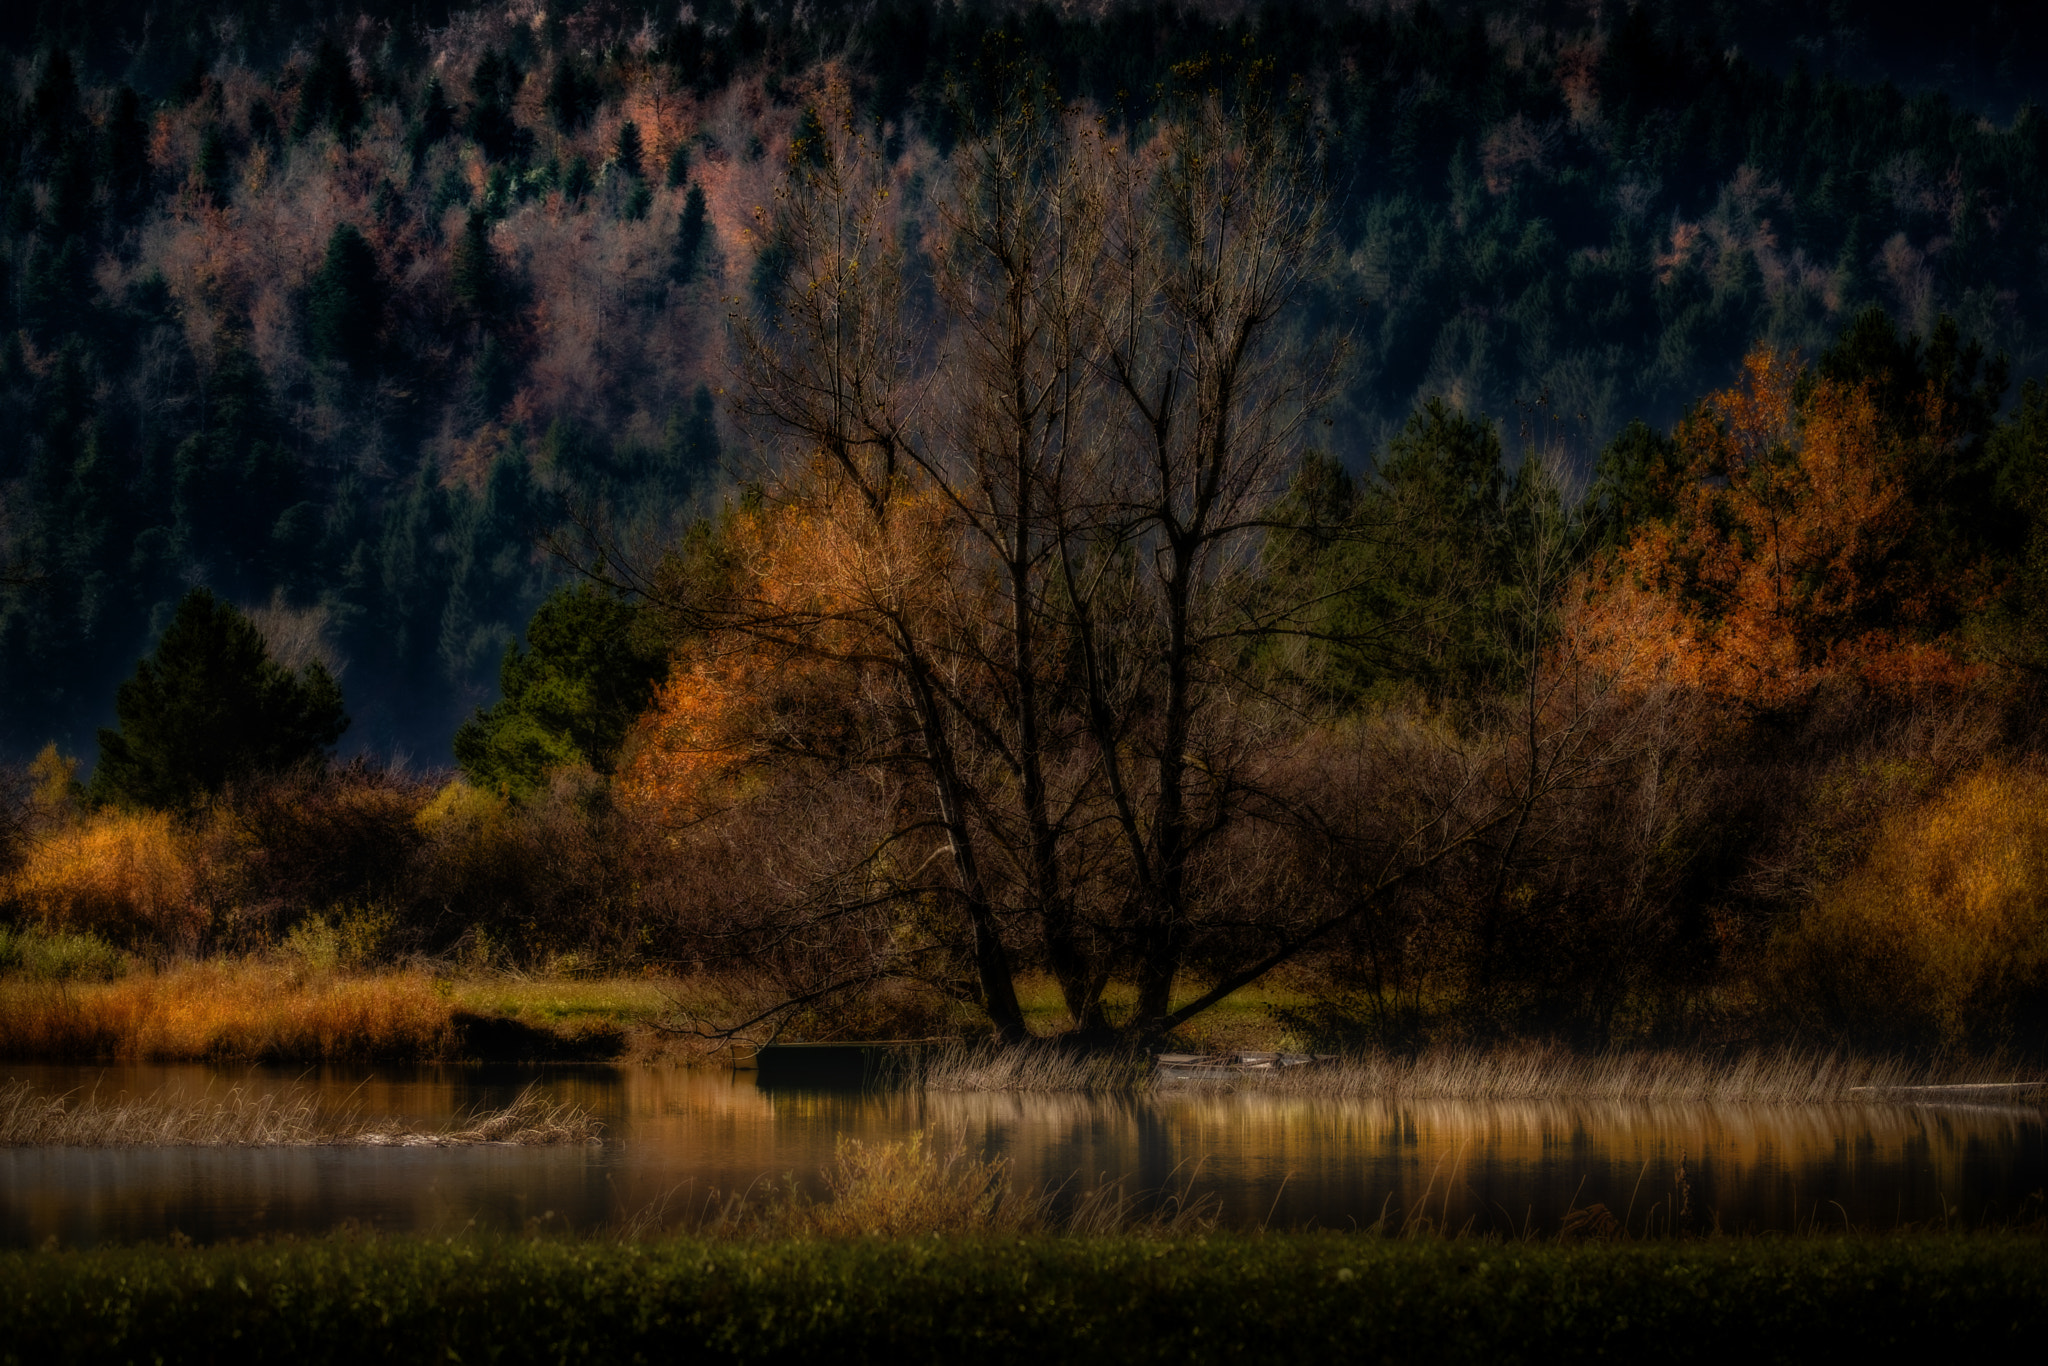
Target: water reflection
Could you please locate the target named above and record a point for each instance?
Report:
(679, 1137)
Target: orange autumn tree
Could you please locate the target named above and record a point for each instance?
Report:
(1788, 554)
(808, 593)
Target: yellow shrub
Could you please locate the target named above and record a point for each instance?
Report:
(1942, 930)
(125, 875)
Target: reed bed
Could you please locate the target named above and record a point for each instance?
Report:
(247, 1009)
(295, 1117)
(958, 1066)
(1777, 1077)
(929, 1184)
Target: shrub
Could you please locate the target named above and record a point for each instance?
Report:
(126, 876)
(315, 839)
(60, 957)
(1941, 933)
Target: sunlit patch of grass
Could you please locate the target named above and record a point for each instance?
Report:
(1245, 1019)
(555, 1002)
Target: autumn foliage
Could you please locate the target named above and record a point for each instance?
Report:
(1790, 553)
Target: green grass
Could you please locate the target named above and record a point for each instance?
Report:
(554, 1003)
(1309, 1298)
(1244, 1019)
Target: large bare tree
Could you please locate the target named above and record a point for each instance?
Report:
(1027, 455)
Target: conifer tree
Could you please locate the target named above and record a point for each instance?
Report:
(345, 302)
(208, 706)
(628, 153)
(586, 673)
(691, 232)
(475, 270)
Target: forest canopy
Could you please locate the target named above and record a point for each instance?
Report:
(345, 308)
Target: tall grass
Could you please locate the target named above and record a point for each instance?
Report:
(958, 1066)
(1530, 1073)
(292, 1117)
(231, 1009)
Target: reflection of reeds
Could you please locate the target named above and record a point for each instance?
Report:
(968, 1067)
(931, 1182)
(294, 1117)
(1533, 1073)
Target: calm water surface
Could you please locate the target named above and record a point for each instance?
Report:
(677, 1138)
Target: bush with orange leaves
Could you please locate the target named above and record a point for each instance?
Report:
(1787, 557)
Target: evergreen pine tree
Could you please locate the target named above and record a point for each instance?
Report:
(208, 706)
(692, 230)
(587, 671)
(345, 302)
(628, 153)
(475, 270)
(329, 98)
(216, 166)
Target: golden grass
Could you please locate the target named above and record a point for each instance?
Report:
(1531, 1073)
(1243, 1020)
(231, 1009)
(124, 874)
(293, 1117)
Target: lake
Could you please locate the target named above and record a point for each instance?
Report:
(677, 1138)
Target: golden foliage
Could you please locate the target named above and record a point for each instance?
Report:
(125, 875)
(1943, 929)
(825, 579)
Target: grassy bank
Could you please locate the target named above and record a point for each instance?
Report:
(1123, 1300)
(275, 1009)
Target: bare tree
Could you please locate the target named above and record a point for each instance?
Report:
(1022, 525)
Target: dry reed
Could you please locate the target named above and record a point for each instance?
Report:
(1530, 1073)
(231, 1009)
(292, 1118)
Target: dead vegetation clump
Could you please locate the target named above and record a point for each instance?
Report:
(294, 1117)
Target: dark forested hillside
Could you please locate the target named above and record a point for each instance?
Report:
(337, 309)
